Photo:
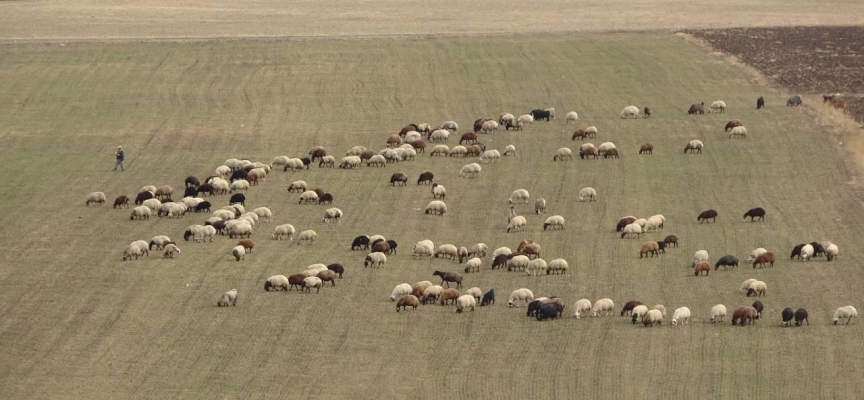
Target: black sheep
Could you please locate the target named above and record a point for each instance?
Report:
(727, 261)
(760, 103)
(203, 206)
(488, 298)
(754, 213)
(360, 243)
(238, 198)
(787, 316)
(337, 268)
(706, 215)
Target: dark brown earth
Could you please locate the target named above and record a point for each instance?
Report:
(811, 60)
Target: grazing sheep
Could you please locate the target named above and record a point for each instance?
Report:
(563, 153)
(579, 134)
(449, 296)
(718, 106)
(307, 236)
(490, 155)
(807, 252)
(440, 135)
(786, 316)
(605, 306)
(757, 288)
(473, 265)
(581, 307)
(312, 282)
(284, 230)
(132, 251)
(695, 146)
(731, 124)
(519, 196)
(472, 169)
(374, 260)
(629, 306)
(632, 230)
(718, 313)
(847, 313)
(140, 213)
(239, 252)
(697, 109)
(681, 316)
(756, 253)
(401, 289)
(704, 216)
(754, 213)
(517, 224)
(738, 131)
(650, 247)
(764, 258)
(646, 148)
(702, 266)
(646, 111)
(759, 307)
(558, 266)
(801, 316)
(436, 207)
(571, 116)
(652, 317)
(488, 298)
(489, 126)
(701, 255)
(794, 100)
(96, 197)
(406, 301)
(229, 297)
(447, 251)
(629, 111)
(554, 222)
(332, 214)
(638, 312)
(588, 193)
(449, 277)
(276, 282)
(522, 294)
(671, 241)
(537, 267)
(831, 251)
(170, 251)
(551, 310)
(746, 285)
(466, 300)
(726, 262)
(500, 261)
(796, 251)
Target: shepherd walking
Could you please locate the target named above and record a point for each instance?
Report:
(120, 157)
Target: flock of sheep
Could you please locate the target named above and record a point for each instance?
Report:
(237, 177)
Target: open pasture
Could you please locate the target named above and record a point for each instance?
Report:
(79, 323)
(180, 19)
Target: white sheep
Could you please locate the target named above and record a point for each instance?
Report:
(738, 131)
(717, 106)
(238, 228)
(148, 188)
(356, 151)
(440, 150)
(239, 252)
(554, 222)
(436, 207)
(571, 116)
(629, 111)
(479, 249)
(681, 316)
(350, 162)
(238, 186)
(605, 306)
(263, 212)
(458, 151)
(432, 293)
(522, 294)
(718, 313)
(331, 214)
(746, 285)
(205, 232)
(540, 205)
(652, 317)
(490, 155)
(502, 250)
(505, 117)
(220, 185)
(406, 154)
(489, 126)
(558, 265)
(756, 253)
(422, 249)
(440, 135)
(307, 236)
(639, 312)
(631, 229)
(473, 264)
(140, 212)
(450, 126)
(695, 146)
(412, 137)
(586, 146)
(95, 197)
(229, 297)
(378, 159)
(588, 193)
(661, 308)
(581, 307)
(313, 282)
(653, 224)
(847, 313)
(142, 244)
(701, 255)
(474, 292)
(447, 251)
(170, 251)
(758, 288)
(375, 259)
(563, 153)
(225, 171)
(152, 204)
(438, 191)
(466, 300)
(224, 215)
(132, 251)
(309, 196)
(525, 119)
(807, 252)
(510, 150)
(424, 127)
(517, 224)
(831, 251)
(604, 147)
(551, 112)
(298, 186)
(518, 263)
(472, 169)
(519, 196)
(536, 267)
(191, 202)
(401, 290)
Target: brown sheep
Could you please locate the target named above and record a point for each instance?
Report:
(649, 248)
(745, 315)
(417, 291)
(581, 134)
(404, 131)
(381, 246)
(702, 266)
(671, 241)
(469, 137)
(247, 244)
(449, 277)
(296, 280)
(624, 222)
(406, 301)
(532, 251)
(394, 141)
(121, 201)
(318, 153)
(613, 153)
(524, 243)
(764, 258)
(629, 306)
(462, 253)
(731, 124)
(473, 150)
(419, 146)
(589, 152)
(646, 148)
(163, 192)
(327, 275)
(449, 296)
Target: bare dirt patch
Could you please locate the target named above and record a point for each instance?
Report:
(809, 60)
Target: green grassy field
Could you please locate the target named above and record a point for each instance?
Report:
(178, 19)
(79, 323)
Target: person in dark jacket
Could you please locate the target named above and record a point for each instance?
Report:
(120, 156)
